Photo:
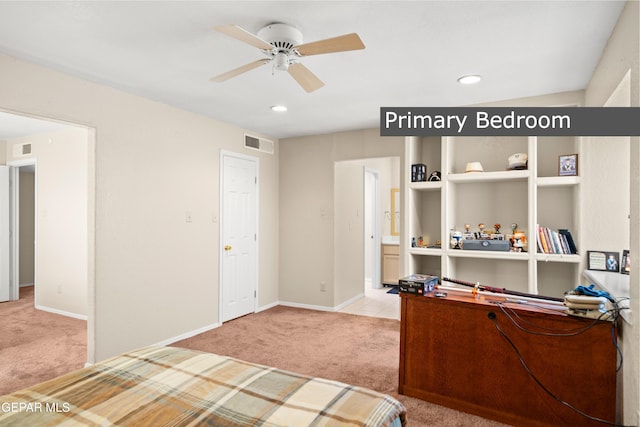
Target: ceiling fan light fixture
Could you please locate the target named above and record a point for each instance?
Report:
(279, 108)
(469, 79)
(281, 61)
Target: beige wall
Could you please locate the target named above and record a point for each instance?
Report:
(348, 237)
(27, 228)
(622, 56)
(62, 202)
(156, 276)
(307, 210)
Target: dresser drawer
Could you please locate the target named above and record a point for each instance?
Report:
(390, 249)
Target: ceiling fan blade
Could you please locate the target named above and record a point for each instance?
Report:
(336, 44)
(236, 71)
(304, 77)
(244, 36)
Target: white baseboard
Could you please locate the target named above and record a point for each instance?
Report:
(186, 335)
(62, 312)
(24, 285)
(322, 307)
(349, 301)
(267, 307)
(307, 306)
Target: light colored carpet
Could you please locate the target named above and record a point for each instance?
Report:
(36, 345)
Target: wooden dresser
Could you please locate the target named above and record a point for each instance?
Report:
(452, 354)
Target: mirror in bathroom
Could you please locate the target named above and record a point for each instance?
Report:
(395, 211)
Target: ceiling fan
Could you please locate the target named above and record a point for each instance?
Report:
(282, 45)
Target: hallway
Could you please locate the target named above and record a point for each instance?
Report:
(376, 303)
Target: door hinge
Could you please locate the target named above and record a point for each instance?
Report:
(255, 294)
(256, 179)
(255, 237)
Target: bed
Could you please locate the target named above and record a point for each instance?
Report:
(169, 386)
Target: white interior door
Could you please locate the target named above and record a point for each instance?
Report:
(239, 236)
(372, 226)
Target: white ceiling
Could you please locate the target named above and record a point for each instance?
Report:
(415, 51)
(13, 126)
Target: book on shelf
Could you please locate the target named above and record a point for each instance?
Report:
(555, 242)
(569, 238)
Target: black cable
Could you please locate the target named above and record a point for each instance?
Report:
(524, 321)
(614, 313)
(545, 389)
(618, 309)
(567, 333)
(618, 349)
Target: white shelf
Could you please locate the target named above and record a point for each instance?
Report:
(515, 256)
(557, 181)
(425, 251)
(569, 258)
(495, 176)
(426, 185)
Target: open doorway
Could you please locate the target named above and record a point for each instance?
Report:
(357, 235)
(58, 156)
(18, 230)
(53, 258)
(26, 226)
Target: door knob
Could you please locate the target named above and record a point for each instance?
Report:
(227, 248)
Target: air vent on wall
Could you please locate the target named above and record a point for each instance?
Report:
(20, 150)
(259, 144)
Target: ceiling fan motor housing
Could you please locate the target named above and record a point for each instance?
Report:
(282, 37)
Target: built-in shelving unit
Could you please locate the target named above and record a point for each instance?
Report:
(528, 197)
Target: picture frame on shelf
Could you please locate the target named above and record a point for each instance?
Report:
(625, 264)
(603, 261)
(568, 165)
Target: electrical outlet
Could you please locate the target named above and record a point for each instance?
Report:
(188, 216)
(59, 289)
(323, 287)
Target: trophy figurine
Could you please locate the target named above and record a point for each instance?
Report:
(468, 235)
(497, 235)
(482, 234)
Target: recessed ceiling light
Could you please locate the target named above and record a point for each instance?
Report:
(279, 108)
(470, 79)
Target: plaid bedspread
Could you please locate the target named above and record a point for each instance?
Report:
(166, 386)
